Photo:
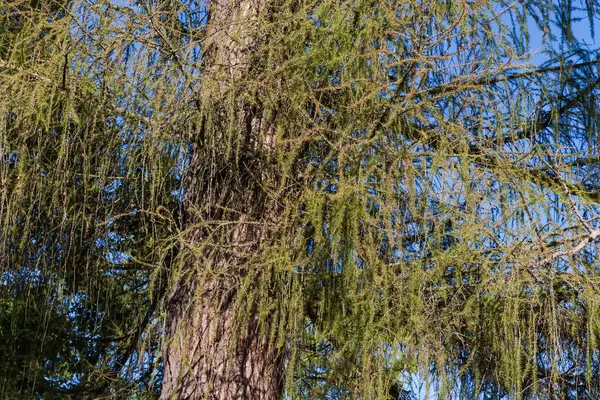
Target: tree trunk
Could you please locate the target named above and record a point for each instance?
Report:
(208, 353)
(199, 361)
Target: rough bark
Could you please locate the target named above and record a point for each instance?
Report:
(211, 352)
(205, 359)
(207, 353)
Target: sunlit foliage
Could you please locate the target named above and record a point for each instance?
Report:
(428, 196)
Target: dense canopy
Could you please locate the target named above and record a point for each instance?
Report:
(386, 199)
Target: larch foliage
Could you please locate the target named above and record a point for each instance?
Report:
(427, 193)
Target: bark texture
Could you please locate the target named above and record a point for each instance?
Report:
(206, 359)
(208, 354)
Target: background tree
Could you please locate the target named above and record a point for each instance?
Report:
(311, 199)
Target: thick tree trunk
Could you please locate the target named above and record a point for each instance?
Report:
(208, 353)
(215, 347)
(206, 359)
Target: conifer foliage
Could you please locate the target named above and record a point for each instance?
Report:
(303, 199)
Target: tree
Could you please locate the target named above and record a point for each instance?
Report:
(304, 199)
